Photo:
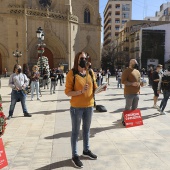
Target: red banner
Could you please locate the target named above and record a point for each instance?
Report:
(3, 159)
(132, 118)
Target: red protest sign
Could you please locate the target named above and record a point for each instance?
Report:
(132, 118)
(3, 159)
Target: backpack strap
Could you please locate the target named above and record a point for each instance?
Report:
(74, 74)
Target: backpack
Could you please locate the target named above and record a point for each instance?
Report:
(165, 84)
(101, 108)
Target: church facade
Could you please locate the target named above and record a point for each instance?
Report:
(69, 26)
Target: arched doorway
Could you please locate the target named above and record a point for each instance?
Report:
(49, 55)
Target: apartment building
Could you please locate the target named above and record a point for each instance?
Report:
(130, 43)
(162, 15)
(116, 14)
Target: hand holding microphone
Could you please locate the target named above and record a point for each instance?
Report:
(85, 88)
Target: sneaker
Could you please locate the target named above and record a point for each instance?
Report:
(31, 99)
(27, 115)
(9, 117)
(155, 107)
(38, 98)
(159, 109)
(123, 123)
(76, 161)
(162, 113)
(89, 154)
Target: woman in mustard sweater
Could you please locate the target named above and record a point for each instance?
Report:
(80, 85)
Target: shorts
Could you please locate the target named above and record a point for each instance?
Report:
(156, 92)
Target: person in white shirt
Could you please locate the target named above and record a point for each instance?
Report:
(18, 82)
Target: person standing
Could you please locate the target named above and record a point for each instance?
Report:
(45, 78)
(18, 82)
(108, 76)
(164, 84)
(119, 78)
(53, 77)
(5, 72)
(131, 80)
(150, 72)
(58, 72)
(35, 81)
(156, 78)
(80, 88)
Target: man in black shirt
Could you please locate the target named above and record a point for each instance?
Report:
(156, 78)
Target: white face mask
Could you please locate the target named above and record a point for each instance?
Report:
(160, 70)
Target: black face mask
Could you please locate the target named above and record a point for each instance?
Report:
(89, 66)
(136, 66)
(19, 70)
(82, 63)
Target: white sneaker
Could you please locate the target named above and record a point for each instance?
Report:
(155, 107)
(162, 113)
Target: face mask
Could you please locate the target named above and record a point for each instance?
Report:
(82, 63)
(135, 66)
(160, 70)
(19, 70)
(89, 66)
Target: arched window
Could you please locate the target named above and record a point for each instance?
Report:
(87, 16)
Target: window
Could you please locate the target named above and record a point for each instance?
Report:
(125, 15)
(124, 21)
(87, 16)
(117, 28)
(117, 21)
(126, 7)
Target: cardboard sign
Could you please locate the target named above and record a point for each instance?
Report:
(3, 159)
(132, 118)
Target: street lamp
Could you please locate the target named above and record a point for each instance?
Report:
(40, 47)
(17, 54)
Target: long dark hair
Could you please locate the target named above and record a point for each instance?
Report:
(15, 66)
(76, 59)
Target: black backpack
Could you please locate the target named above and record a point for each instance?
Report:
(101, 108)
(165, 84)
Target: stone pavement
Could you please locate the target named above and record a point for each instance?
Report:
(42, 142)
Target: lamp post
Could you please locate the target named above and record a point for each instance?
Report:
(40, 36)
(17, 54)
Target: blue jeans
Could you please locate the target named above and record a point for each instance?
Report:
(119, 83)
(35, 85)
(17, 96)
(164, 101)
(76, 115)
(53, 85)
(131, 102)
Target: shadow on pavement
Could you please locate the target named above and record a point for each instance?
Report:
(59, 100)
(93, 131)
(150, 116)
(60, 164)
(45, 112)
(110, 99)
(122, 109)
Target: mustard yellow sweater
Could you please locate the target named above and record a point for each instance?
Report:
(86, 99)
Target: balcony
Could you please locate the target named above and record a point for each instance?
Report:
(132, 50)
(137, 38)
(132, 39)
(137, 49)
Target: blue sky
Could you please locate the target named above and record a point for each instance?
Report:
(140, 8)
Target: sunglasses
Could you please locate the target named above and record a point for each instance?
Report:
(82, 58)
